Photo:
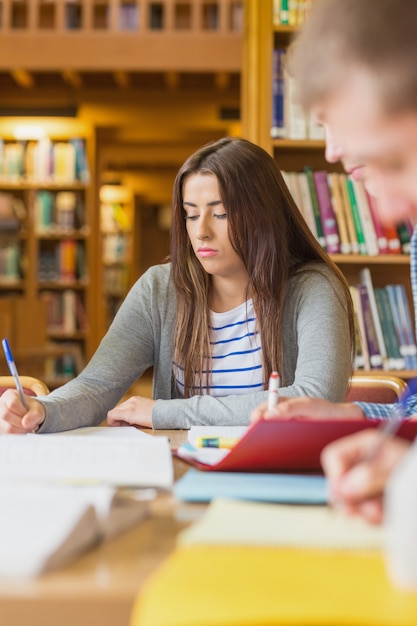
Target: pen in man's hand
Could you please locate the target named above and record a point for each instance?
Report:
(273, 387)
(13, 371)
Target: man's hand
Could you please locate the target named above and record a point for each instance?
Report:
(313, 408)
(358, 485)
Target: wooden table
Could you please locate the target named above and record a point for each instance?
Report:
(99, 588)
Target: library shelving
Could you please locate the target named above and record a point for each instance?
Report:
(45, 252)
(117, 230)
(264, 35)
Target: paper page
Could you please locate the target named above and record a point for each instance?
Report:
(116, 461)
(43, 527)
(236, 522)
(101, 431)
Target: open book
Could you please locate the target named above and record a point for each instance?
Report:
(62, 493)
(44, 527)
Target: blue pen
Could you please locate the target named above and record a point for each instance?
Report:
(13, 371)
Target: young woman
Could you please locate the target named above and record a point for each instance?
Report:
(248, 291)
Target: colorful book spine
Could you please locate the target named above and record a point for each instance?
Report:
(371, 240)
(366, 279)
(337, 203)
(316, 210)
(375, 357)
(278, 93)
(360, 236)
(405, 316)
(379, 228)
(327, 215)
(404, 236)
(362, 352)
(403, 341)
(306, 202)
(348, 214)
(395, 360)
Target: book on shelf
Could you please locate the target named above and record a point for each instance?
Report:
(348, 214)
(44, 160)
(366, 279)
(65, 311)
(404, 235)
(361, 345)
(394, 358)
(380, 231)
(371, 240)
(357, 222)
(295, 117)
(403, 340)
(314, 201)
(405, 323)
(327, 214)
(375, 358)
(278, 122)
(306, 201)
(339, 211)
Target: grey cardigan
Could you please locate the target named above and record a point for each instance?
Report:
(317, 359)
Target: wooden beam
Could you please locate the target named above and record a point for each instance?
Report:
(221, 80)
(172, 80)
(72, 78)
(122, 79)
(23, 78)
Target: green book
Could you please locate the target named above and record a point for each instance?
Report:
(395, 360)
(315, 203)
(356, 217)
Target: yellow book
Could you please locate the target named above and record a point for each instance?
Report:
(254, 564)
(255, 586)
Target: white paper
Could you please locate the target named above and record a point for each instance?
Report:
(215, 431)
(236, 522)
(111, 460)
(43, 527)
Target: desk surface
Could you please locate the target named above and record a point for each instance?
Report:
(99, 588)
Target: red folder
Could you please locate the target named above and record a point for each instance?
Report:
(293, 445)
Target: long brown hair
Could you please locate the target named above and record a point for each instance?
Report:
(267, 231)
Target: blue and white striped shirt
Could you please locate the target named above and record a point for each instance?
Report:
(236, 365)
(384, 411)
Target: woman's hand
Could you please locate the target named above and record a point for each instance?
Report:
(15, 418)
(136, 411)
(308, 408)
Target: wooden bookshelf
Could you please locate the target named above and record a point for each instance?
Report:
(117, 229)
(261, 37)
(49, 178)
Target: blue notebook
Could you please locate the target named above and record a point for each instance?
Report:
(196, 486)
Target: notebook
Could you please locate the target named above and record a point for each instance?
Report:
(281, 445)
(235, 522)
(196, 486)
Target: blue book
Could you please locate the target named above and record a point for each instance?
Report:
(198, 486)
(278, 124)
